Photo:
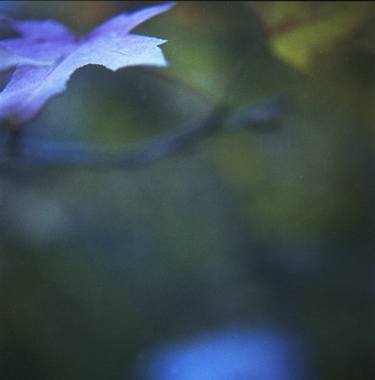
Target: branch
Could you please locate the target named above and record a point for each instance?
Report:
(16, 152)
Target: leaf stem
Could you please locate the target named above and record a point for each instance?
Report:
(30, 153)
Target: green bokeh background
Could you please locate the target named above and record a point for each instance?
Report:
(273, 228)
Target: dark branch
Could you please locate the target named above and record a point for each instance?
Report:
(16, 152)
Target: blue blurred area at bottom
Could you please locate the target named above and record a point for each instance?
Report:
(230, 354)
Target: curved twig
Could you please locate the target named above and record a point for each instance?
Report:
(16, 152)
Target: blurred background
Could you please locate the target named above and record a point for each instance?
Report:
(249, 256)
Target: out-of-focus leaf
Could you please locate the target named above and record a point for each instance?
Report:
(299, 31)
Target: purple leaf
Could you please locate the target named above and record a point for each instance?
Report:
(9, 59)
(47, 54)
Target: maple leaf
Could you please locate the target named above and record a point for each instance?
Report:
(47, 53)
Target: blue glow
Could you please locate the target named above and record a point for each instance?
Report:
(236, 354)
